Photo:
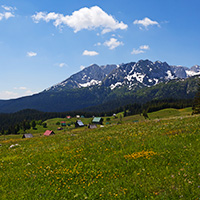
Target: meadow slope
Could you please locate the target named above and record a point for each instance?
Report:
(152, 159)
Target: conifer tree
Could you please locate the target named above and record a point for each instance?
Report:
(196, 105)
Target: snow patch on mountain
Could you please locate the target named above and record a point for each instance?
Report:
(92, 82)
(113, 86)
(170, 76)
(143, 73)
(138, 76)
(191, 73)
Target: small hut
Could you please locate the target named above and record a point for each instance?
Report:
(63, 123)
(92, 126)
(97, 120)
(27, 135)
(79, 123)
(48, 133)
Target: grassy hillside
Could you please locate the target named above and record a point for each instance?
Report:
(170, 112)
(151, 159)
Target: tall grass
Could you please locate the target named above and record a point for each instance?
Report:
(156, 159)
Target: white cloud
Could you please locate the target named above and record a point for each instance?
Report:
(85, 18)
(113, 43)
(145, 47)
(8, 12)
(16, 92)
(62, 64)
(8, 8)
(140, 50)
(20, 88)
(82, 67)
(28, 92)
(137, 51)
(90, 53)
(31, 54)
(1, 16)
(146, 22)
(6, 15)
(8, 95)
(98, 44)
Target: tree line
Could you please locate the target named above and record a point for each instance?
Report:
(12, 123)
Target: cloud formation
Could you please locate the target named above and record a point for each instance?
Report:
(146, 22)
(97, 44)
(20, 88)
(8, 8)
(15, 93)
(90, 53)
(145, 47)
(31, 54)
(113, 43)
(140, 50)
(137, 51)
(85, 18)
(8, 95)
(62, 64)
(8, 13)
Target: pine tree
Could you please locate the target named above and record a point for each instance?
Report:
(196, 105)
(33, 124)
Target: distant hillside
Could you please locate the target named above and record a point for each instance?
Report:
(77, 99)
(112, 86)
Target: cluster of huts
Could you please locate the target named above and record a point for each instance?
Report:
(78, 123)
(46, 133)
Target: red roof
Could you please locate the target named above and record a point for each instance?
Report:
(48, 132)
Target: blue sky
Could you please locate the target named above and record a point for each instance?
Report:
(44, 42)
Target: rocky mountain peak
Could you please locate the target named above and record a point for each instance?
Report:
(143, 73)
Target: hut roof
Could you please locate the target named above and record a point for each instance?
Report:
(48, 132)
(97, 119)
(80, 123)
(27, 135)
(92, 126)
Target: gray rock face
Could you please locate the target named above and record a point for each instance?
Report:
(89, 76)
(133, 75)
(195, 68)
(142, 73)
(179, 71)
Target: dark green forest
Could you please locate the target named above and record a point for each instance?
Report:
(100, 98)
(11, 123)
(100, 101)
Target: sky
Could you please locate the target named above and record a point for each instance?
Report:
(44, 42)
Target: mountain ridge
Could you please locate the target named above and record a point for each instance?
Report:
(116, 85)
(134, 75)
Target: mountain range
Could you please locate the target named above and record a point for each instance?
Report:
(110, 86)
(142, 73)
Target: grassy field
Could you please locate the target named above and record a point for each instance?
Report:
(148, 159)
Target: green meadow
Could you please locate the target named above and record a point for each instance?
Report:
(128, 158)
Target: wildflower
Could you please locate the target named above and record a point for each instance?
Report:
(144, 154)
